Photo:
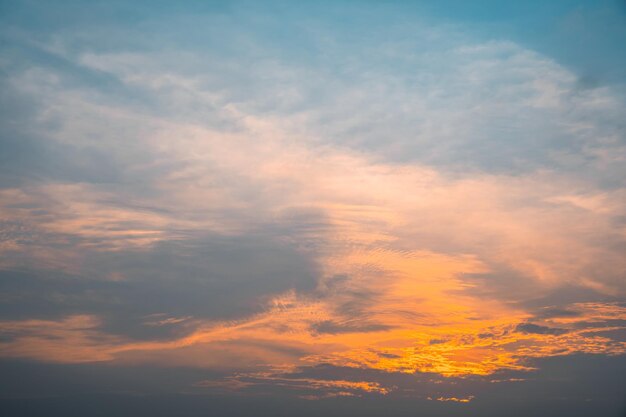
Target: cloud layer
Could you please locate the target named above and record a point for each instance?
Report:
(407, 200)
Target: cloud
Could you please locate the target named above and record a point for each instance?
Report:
(206, 278)
(423, 203)
(564, 383)
(536, 329)
(331, 327)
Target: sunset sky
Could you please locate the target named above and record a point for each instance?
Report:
(313, 208)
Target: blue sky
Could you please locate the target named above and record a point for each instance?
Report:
(297, 207)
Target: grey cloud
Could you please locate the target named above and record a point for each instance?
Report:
(599, 324)
(617, 335)
(537, 329)
(555, 312)
(353, 326)
(564, 295)
(29, 153)
(210, 278)
(577, 386)
(502, 283)
(517, 289)
(350, 302)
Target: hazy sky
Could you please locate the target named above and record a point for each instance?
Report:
(337, 208)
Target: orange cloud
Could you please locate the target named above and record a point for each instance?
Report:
(394, 256)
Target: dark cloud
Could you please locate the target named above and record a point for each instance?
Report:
(599, 324)
(555, 312)
(537, 329)
(564, 295)
(617, 335)
(577, 386)
(210, 278)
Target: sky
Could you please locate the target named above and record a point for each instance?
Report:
(339, 208)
